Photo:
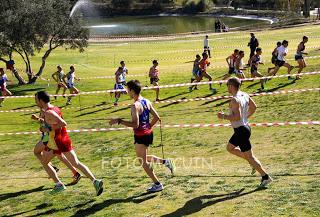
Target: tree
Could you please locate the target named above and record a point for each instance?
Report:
(30, 26)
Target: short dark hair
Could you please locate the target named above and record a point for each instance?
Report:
(304, 38)
(121, 62)
(71, 67)
(154, 61)
(279, 43)
(236, 51)
(258, 49)
(204, 54)
(135, 86)
(285, 42)
(198, 56)
(234, 82)
(43, 95)
(241, 52)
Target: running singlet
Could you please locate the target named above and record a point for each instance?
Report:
(144, 125)
(59, 139)
(154, 72)
(3, 81)
(203, 64)
(281, 51)
(243, 100)
(70, 77)
(125, 72)
(121, 77)
(299, 51)
(233, 61)
(60, 76)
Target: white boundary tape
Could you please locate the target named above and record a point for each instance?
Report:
(172, 85)
(275, 124)
(180, 100)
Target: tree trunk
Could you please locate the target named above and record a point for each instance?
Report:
(306, 8)
(39, 73)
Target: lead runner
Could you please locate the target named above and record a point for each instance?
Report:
(241, 108)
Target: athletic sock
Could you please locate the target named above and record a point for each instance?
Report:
(265, 177)
(157, 183)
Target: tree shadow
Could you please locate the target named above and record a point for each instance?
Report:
(104, 204)
(24, 92)
(197, 204)
(170, 97)
(19, 193)
(215, 100)
(93, 112)
(24, 107)
(38, 207)
(252, 85)
(119, 110)
(54, 210)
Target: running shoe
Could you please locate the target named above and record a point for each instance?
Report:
(265, 182)
(155, 188)
(213, 90)
(190, 89)
(98, 185)
(170, 165)
(58, 188)
(68, 103)
(76, 178)
(290, 78)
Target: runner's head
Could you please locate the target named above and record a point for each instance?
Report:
(122, 63)
(134, 88)
(120, 69)
(72, 68)
(42, 98)
(59, 68)
(278, 43)
(155, 62)
(233, 84)
(285, 43)
(207, 36)
(241, 54)
(204, 55)
(236, 52)
(259, 51)
(198, 57)
(305, 39)
(252, 35)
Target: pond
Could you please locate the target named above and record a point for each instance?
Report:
(159, 25)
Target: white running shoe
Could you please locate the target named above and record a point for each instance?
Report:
(155, 188)
(265, 182)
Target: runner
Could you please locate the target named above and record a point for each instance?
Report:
(44, 141)
(3, 85)
(206, 48)
(58, 143)
(274, 57)
(231, 60)
(204, 63)
(143, 135)
(282, 53)
(241, 108)
(254, 63)
(70, 76)
(119, 84)
(195, 72)
(239, 65)
(299, 55)
(154, 77)
(58, 77)
(125, 70)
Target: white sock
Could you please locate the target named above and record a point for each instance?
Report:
(94, 181)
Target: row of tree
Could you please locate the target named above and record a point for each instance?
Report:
(37, 26)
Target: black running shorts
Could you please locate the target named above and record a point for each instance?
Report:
(241, 138)
(280, 63)
(144, 140)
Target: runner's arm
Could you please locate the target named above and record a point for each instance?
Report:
(155, 115)
(234, 114)
(53, 117)
(252, 107)
(54, 77)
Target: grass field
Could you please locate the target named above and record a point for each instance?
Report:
(217, 185)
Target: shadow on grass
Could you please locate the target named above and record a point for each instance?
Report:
(197, 204)
(19, 193)
(54, 210)
(38, 207)
(104, 204)
(215, 100)
(93, 112)
(281, 86)
(24, 92)
(179, 94)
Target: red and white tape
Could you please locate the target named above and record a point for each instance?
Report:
(275, 124)
(179, 100)
(172, 85)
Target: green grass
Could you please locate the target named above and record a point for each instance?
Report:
(290, 154)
